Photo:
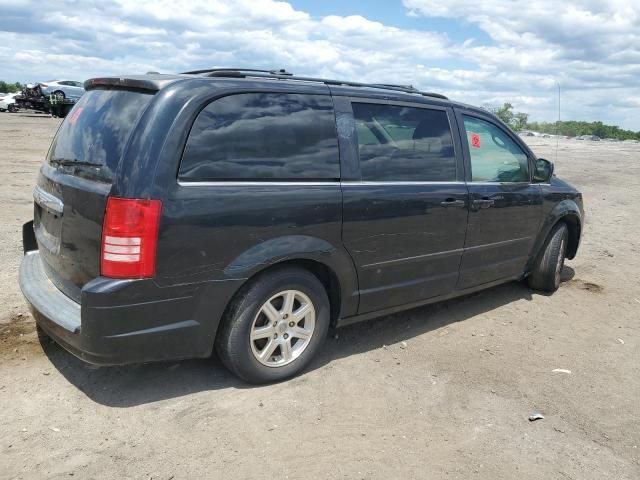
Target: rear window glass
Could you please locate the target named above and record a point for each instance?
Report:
(92, 138)
(263, 136)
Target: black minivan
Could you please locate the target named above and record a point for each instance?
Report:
(248, 211)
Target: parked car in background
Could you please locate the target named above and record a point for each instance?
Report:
(63, 89)
(248, 211)
(8, 102)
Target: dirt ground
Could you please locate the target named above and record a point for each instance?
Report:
(443, 391)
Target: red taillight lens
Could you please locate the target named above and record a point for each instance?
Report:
(130, 237)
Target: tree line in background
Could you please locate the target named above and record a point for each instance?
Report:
(574, 128)
(519, 121)
(10, 87)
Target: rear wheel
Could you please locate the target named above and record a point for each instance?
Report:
(275, 326)
(548, 266)
(43, 337)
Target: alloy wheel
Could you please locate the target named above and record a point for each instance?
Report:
(282, 328)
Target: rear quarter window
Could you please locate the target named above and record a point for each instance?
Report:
(91, 140)
(263, 136)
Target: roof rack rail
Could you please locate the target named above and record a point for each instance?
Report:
(407, 87)
(282, 74)
(235, 72)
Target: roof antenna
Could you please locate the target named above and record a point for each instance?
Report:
(558, 124)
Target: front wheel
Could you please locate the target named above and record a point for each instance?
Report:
(275, 326)
(548, 266)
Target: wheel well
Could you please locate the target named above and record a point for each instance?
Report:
(573, 224)
(324, 274)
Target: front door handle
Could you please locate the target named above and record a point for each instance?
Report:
(483, 203)
(452, 203)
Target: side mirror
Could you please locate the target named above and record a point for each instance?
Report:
(543, 171)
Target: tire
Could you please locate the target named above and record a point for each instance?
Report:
(43, 337)
(237, 344)
(548, 266)
(59, 94)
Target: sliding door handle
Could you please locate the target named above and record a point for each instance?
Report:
(483, 203)
(453, 203)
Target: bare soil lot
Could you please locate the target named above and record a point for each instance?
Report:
(443, 391)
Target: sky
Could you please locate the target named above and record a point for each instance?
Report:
(482, 52)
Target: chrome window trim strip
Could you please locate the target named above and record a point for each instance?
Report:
(391, 182)
(501, 183)
(234, 183)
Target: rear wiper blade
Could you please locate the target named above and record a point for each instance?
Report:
(65, 163)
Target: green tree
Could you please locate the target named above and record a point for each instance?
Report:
(516, 120)
(505, 113)
(520, 120)
(10, 87)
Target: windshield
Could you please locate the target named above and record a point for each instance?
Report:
(92, 138)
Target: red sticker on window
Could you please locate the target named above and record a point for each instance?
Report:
(74, 116)
(475, 140)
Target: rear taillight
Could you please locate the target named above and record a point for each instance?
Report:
(129, 238)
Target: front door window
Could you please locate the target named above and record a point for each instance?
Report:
(495, 157)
